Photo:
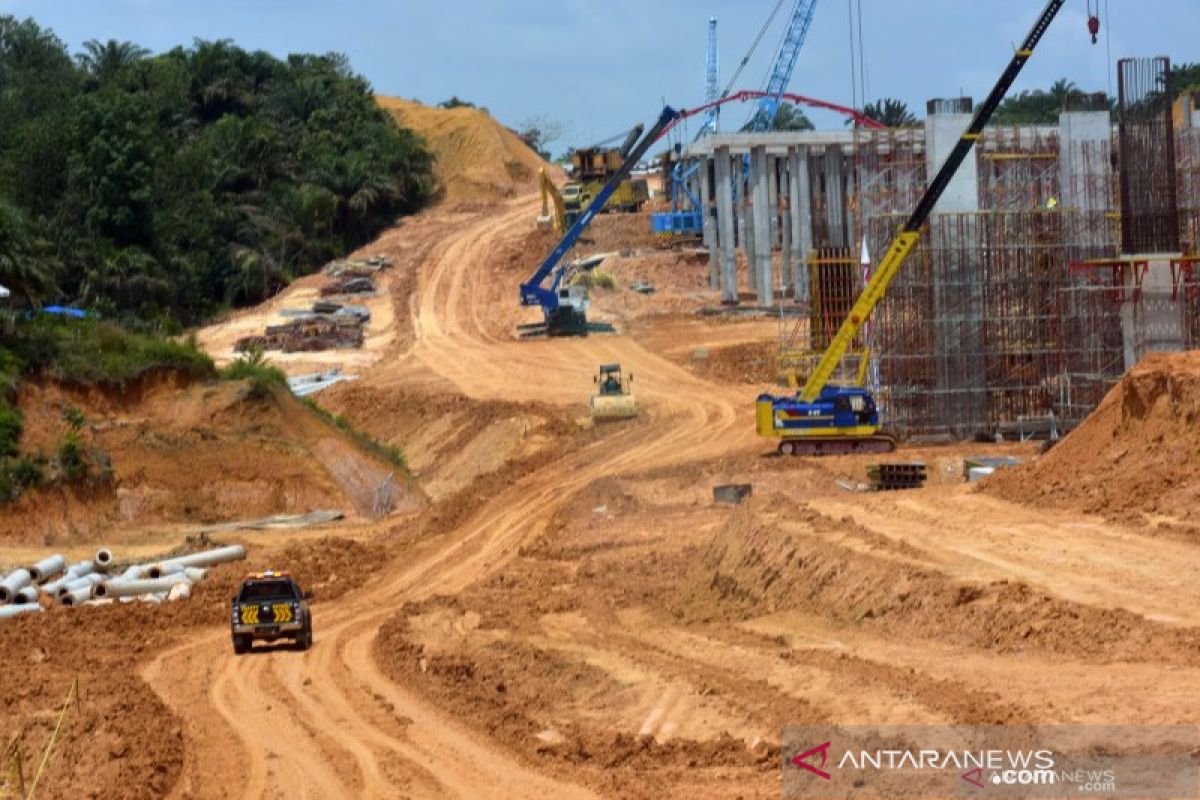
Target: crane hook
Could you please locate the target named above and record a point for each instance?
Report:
(1093, 22)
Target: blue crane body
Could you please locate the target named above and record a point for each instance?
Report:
(711, 78)
(823, 418)
(565, 307)
(785, 64)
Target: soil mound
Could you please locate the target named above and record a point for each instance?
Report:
(1139, 451)
(191, 452)
(478, 159)
(759, 563)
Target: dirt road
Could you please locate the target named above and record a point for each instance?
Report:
(329, 724)
(664, 642)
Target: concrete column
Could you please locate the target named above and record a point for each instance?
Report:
(1084, 175)
(760, 180)
(746, 219)
(725, 225)
(708, 225)
(801, 211)
(1154, 323)
(773, 199)
(945, 124)
(785, 226)
(958, 279)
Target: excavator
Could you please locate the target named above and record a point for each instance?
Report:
(822, 418)
(550, 194)
(564, 305)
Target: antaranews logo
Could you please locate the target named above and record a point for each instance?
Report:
(965, 761)
(801, 760)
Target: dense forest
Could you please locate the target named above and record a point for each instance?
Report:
(159, 189)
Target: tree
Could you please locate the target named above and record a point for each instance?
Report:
(1038, 106)
(1185, 78)
(455, 102)
(20, 271)
(106, 61)
(891, 112)
(788, 117)
(538, 132)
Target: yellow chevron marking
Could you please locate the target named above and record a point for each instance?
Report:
(282, 611)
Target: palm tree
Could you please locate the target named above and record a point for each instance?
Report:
(104, 61)
(20, 271)
(891, 112)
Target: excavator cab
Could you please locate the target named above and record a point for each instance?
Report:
(614, 398)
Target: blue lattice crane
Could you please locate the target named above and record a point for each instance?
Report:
(711, 76)
(785, 64)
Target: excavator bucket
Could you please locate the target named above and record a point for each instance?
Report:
(613, 407)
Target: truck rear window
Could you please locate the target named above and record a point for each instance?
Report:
(267, 590)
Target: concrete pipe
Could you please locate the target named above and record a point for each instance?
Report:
(55, 587)
(195, 574)
(127, 588)
(221, 555)
(24, 608)
(17, 580)
(47, 568)
(132, 573)
(103, 559)
(81, 568)
(76, 597)
(27, 594)
(159, 570)
(85, 582)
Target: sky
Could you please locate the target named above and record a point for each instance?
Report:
(599, 66)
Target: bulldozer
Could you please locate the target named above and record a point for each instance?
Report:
(613, 399)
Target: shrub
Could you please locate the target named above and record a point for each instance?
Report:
(11, 423)
(70, 456)
(253, 366)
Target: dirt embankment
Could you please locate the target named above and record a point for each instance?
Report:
(478, 159)
(120, 740)
(773, 556)
(1138, 453)
(189, 452)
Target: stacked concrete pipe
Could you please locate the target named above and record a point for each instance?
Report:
(95, 581)
(44, 570)
(16, 580)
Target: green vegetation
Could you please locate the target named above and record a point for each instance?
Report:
(390, 453)
(87, 351)
(595, 279)
(789, 117)
(159, 189)
(254, 366)
(96, 351)
(1185, 79)
(1038, 106)
(891, 112)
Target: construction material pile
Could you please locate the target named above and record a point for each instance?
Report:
(348, 283)
(358, 267)
(308, 335)
(52, 580)
(893, 477)
(1139, 451)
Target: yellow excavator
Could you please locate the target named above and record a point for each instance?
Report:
(550, 194)
(613, 399)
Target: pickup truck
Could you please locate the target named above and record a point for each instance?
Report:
(270, 606)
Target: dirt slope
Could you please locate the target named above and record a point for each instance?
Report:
(190, 452)
(478, 159)
(1139, 451)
